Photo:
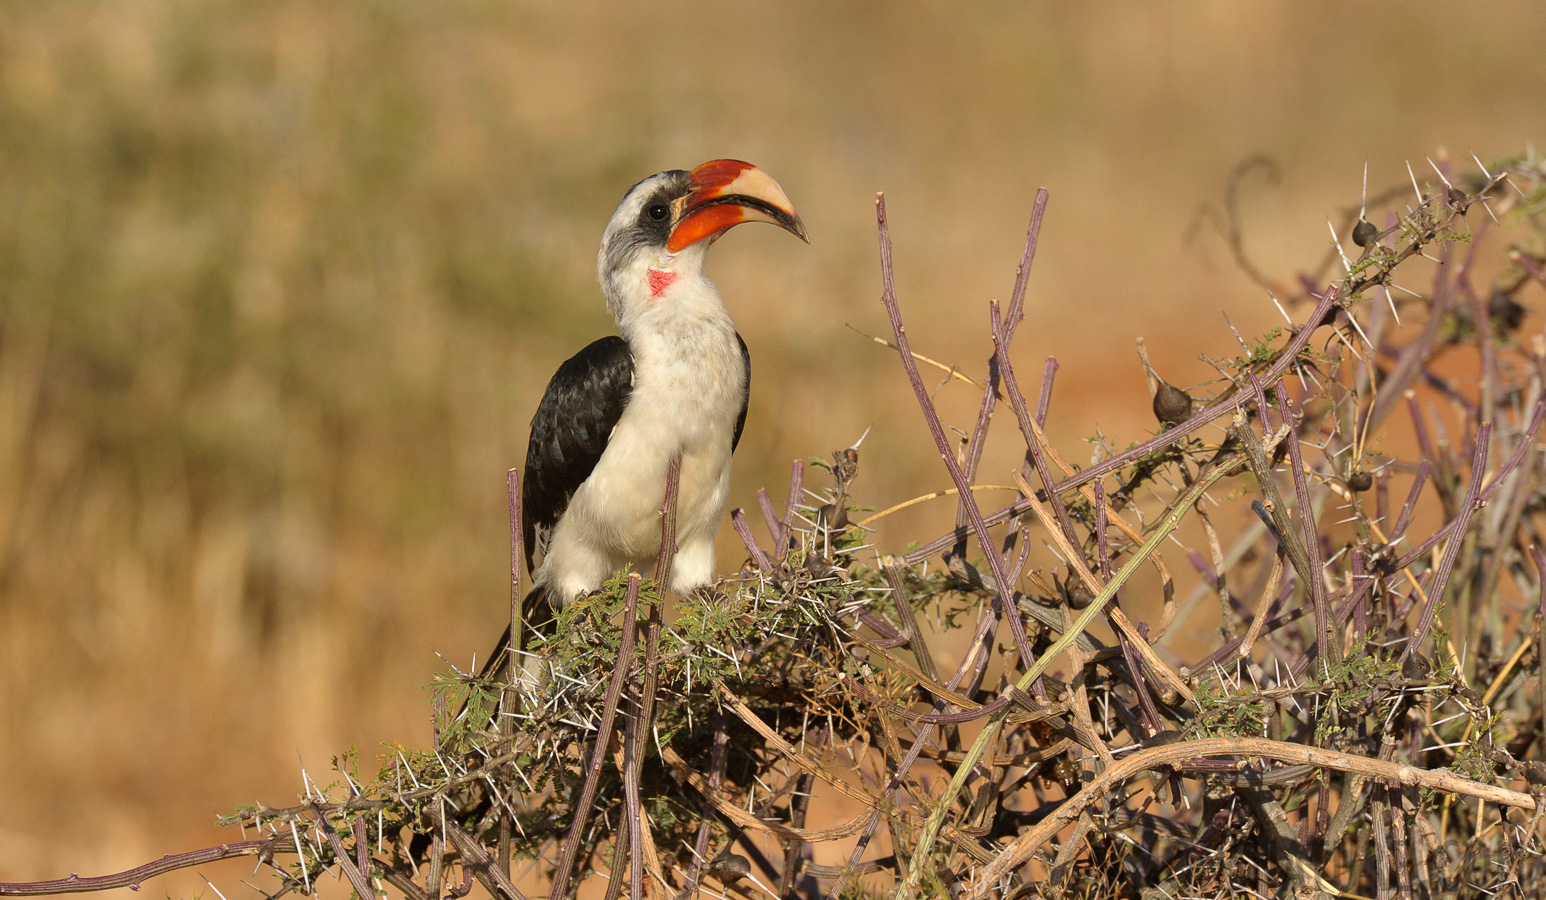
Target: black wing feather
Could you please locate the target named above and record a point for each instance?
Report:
(582, 404)
(570, 430)
(746, 392)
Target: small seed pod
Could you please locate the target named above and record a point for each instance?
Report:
(1172, 406)
(1358, 482)
(1079, 598)
(1364, 233)
(832, 518)
(1506, 315)
(1416, 666)
(730, 867)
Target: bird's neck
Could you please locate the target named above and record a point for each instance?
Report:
(667, 306)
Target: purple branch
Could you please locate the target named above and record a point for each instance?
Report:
(512, 667)
(744, 531)
(889, 637)
(643, 721)
(131, 878)
(1146, 707)
(633, 808)
(796, 494)
(1523, 261)
(770, 518)
(1540, 649)
(1017, 508)
(1416, 353)
(909, 622)
(476, 863)
(598, 755)
(990, 393)
(1526, 443)
(716, 778)
(1049, 371)
(1326, 640)
(973, 663)
(668, 525)
(1521, 449)
(1420, 431)
(1409, 508)
(1027, 256)
(515, 565)
(984, 539)
(636, 743)
(1473, 499)
(1220, 408)
(357, 876)
(1032, 445)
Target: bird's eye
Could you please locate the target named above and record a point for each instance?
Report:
(657, 212)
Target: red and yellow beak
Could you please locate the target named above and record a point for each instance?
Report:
(725, 193)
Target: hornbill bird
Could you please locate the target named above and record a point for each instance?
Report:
(616, 413)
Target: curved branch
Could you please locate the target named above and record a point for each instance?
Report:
(1021, 849)
(132, 878)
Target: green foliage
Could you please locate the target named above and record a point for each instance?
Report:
(1262, 351)
(1220, 715)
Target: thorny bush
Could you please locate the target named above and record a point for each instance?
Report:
(1369, 720)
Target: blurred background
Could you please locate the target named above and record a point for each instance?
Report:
(281, 283)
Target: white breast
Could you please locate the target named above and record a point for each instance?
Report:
(689, 385)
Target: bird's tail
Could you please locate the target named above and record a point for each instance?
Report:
(537, 618)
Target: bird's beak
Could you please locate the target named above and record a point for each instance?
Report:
(725, 193)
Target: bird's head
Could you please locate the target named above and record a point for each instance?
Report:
(659, 235)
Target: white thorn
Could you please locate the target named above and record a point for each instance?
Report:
(1363, 205)
(1482, 167)
(1413, 175)
(1438, 172)
(212, 886)
(1280, 308)
(1359, 329)
(1338, 241)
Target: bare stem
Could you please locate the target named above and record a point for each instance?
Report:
(1021, 850)
(132, 878)
(598, 755)
(1468, 505)
(984, 540)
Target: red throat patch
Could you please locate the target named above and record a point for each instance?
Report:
(659, 281)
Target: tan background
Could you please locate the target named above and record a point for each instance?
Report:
(282, 282)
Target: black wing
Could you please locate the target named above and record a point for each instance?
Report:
(746, 393)
(569, 432)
